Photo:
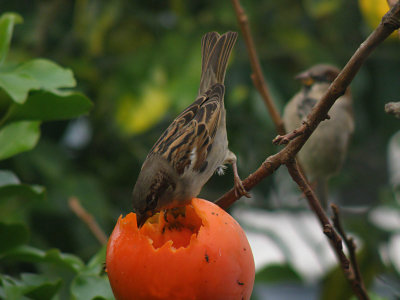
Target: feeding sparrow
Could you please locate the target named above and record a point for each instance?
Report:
(324, 152)
(195, 145)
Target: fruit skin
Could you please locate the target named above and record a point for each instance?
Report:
(217, 263)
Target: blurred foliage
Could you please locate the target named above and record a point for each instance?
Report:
(139, 62)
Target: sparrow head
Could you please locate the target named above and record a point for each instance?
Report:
(320, 73)
(153, 189)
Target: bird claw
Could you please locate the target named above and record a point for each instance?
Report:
(240, 190)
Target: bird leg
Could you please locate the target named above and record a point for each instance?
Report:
(239, 188)
(238, 185)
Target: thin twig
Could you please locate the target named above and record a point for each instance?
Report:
(315, 205)
(266, 169)
(257, 76)
(389, 23)
(350, 269)
(88, 219)
(349, 241)
(285, 139)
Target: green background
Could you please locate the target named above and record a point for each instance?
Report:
(139, 64)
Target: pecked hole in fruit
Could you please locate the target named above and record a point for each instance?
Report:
(178, 229)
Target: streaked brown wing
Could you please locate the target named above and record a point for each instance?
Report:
(188, 140)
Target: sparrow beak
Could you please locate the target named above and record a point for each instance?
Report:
(305, 78)
(142, 218)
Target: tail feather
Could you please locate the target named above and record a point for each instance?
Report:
(207, 44)
(216, 50)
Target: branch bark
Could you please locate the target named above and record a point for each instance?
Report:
(349, 268)
(88, 219)
(296, 140)
(389, 23)
(349, 242)
(257, 76)
(391, 4)
(315, 205)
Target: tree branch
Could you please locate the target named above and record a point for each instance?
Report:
(296, 139)
(389, 23)
(285, 139)
(268, 167)
(257, 76)
(350, 244)
(315, 205)
(351, 271)
(88, 219)
(391, 4)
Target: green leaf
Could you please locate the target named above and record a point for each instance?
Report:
(40, 286)
(7, 22)
(17, 85)
(47, 106)
(10, 186)
(278, 273)
(48, 74)
(96, 263)
(18, 137)
(31, 254)
(12, 235)
(8, 178)
(11, 288)
(34, 75)
(86, 287)
(32, 286)
(25, 191)
(91, 283)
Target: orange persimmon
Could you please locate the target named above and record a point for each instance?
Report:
(202, 255)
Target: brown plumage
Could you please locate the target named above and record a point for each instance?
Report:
(323, 154)
(195, 145)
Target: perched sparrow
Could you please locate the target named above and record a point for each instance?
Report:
(195, 145)
(323, 154)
